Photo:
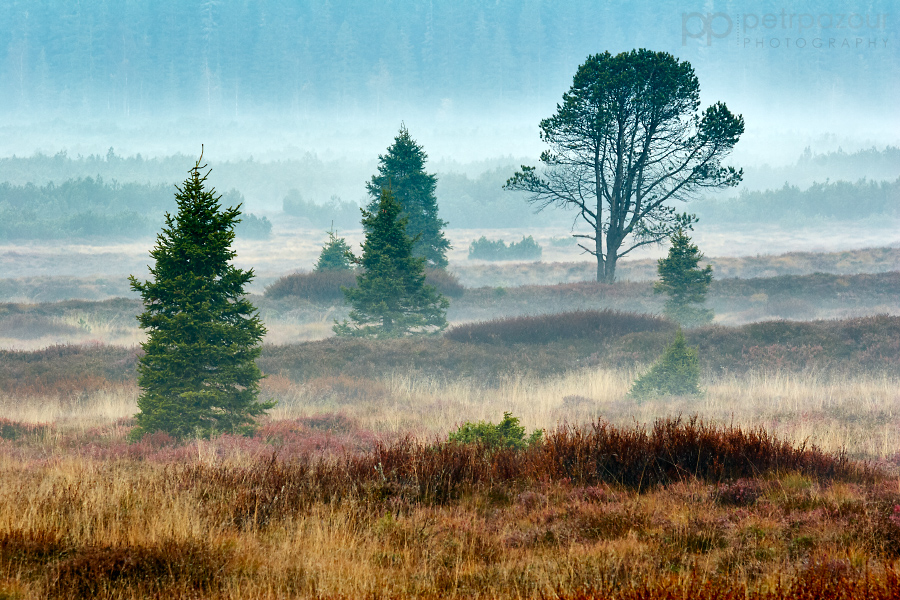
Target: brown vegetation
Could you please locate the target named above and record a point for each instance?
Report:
(324, 287)
(599, 512)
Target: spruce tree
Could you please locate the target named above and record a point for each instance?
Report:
(391, 298)
(335, 255)
(198, 375)
(402, 169)
(684, 282)
(677, 373)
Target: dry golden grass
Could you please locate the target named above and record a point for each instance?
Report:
(81, 516)
(553, 540)
(858, 414)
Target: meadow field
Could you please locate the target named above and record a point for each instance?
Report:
(779, 481)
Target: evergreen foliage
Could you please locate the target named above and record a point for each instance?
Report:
(335, 255)
(677, 373)
(402, 170)
(685, 283)
(198, 375)
(505, 434)
(391, 298)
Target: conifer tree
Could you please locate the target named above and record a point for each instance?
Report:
(335, 255)
(198, 375)
(402, 169)
(677, 373)
(391, 298)
(684, 282)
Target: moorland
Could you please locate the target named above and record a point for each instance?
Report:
(779, 481)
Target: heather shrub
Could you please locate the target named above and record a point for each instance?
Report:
(677, 373)
(171, 569)
(14, 430)
(505, 434)
(742, 492)
(542, 329)
(29, 327)
(446, 283)
(322, 286)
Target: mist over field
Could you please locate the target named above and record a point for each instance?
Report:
(280, 80)
(481, 402)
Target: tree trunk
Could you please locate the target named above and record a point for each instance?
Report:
(612, 257)
(610, 275)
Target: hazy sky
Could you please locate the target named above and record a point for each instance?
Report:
(471, 79)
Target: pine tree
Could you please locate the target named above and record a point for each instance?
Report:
(198, 375)
(335, 255)
(685, 283)
(391, 298)
(402, 170)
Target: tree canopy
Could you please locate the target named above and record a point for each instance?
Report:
(625, 143)
(402, 169)
(198, 374)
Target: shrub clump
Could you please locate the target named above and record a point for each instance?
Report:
(544, 329)
(505, 434)
(677, 373)
(169, 570)
(324, 286)
(321, 287)
(485, 249)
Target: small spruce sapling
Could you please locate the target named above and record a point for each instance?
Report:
(677, 373)
(684, 282)
(335, 255)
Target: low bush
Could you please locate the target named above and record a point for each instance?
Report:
(314, 286)
(324, 287)
(505, 434)
(485, 249)
(14, 430)
(66, 371)
(581, 324)
(169, 570)
(635, 458)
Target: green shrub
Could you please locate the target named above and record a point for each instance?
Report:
(485, 249)
(506, 434)
(677, 373)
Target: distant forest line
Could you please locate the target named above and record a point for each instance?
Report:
(96, 208)
(227, 59)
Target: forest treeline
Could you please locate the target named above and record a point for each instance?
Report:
(91, 207)
(835, 200)
(119, 196)
(230, 59)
